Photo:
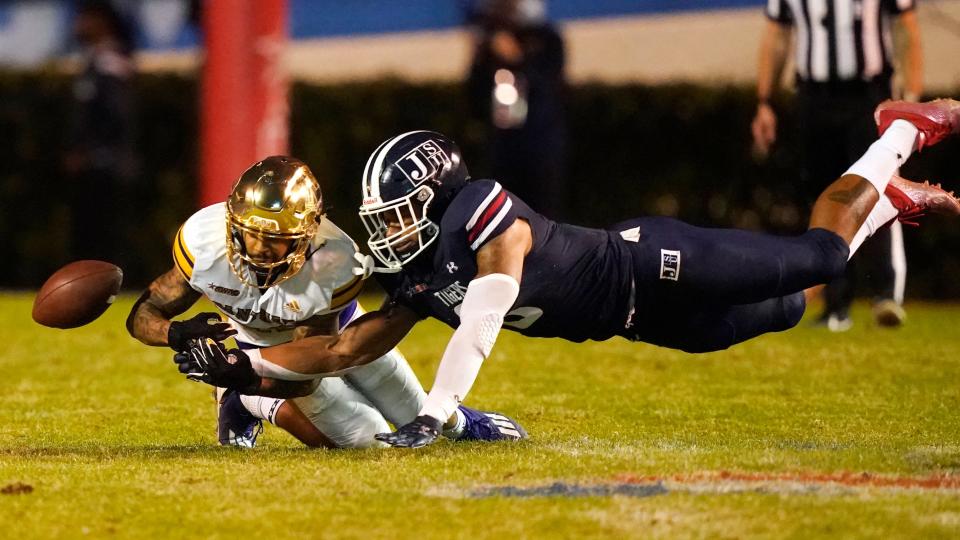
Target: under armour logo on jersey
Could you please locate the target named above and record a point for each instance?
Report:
(293, 306)
(452, 267)
(669, 264)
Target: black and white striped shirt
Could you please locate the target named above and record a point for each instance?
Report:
(840, 40)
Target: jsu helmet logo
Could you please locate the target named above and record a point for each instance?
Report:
(423, 162)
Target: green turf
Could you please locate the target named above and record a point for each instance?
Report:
(115, 443)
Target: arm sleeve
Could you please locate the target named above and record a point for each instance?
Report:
(486, 302)
(779, 11)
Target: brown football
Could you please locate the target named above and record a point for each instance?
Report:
(77, 294)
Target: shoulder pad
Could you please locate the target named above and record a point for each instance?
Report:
(203, 230)
(346, 286)
(482, 210)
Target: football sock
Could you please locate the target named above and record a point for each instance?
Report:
(886, 155)
(263, 408)
(454, 433)
(882, 213)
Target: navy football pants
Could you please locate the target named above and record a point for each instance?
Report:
(701, 290)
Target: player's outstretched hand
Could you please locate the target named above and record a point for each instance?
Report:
(212, 364)
(421, 432)
(203, 325)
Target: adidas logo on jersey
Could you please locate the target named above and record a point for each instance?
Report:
(293, 306)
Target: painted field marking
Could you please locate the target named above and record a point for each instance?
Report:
(727, 482)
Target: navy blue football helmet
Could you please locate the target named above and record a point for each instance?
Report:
(409, 182)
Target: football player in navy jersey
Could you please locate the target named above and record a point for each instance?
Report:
(474, 256)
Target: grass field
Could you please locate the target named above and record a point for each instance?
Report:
(803, 434)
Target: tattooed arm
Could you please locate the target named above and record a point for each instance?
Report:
(168, 296)
(320, 325)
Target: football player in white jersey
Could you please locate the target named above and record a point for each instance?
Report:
(279, 271)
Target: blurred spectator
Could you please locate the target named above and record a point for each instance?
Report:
(100, 160)
(844, 70)
(516, 85)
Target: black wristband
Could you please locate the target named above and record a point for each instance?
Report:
(174, 338)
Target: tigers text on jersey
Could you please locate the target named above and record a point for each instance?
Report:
(324, 285)
(576, 281)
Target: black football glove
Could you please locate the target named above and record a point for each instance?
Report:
(203, 325)
(421, 432)
(210, 363)
(185, 363)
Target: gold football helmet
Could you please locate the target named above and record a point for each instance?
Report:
(276, 200)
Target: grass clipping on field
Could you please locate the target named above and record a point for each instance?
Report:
(803, 433)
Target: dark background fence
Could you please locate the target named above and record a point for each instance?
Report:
(677, 149)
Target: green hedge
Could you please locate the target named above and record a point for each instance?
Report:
(674, 149)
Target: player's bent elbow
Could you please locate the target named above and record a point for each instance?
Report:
(131, 322)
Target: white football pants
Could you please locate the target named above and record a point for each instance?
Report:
(351, 409)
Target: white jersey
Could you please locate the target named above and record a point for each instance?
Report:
(324, 285)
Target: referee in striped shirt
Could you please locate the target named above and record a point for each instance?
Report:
(844, 67)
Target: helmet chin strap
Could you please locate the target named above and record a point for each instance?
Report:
(368, 266)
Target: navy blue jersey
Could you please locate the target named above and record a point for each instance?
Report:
(576, 282)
